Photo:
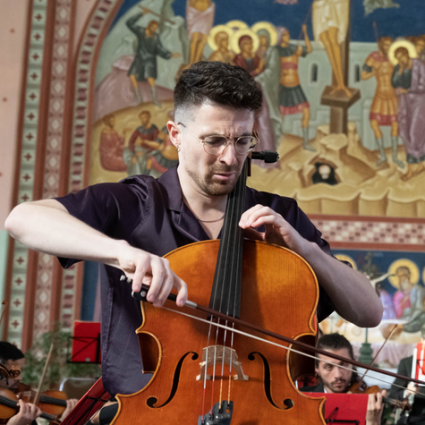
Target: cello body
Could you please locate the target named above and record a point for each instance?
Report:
(281, 297)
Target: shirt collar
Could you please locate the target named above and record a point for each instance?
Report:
(171, 183)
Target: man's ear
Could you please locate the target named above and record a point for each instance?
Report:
(174, 133)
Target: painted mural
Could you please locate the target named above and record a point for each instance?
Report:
(343, 84)
(399, 279)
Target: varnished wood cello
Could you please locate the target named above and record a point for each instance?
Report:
(207, 375)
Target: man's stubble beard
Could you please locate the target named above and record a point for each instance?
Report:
(213, 188)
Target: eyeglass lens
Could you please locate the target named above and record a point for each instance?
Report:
(215, 144)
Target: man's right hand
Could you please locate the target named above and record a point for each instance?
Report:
(148, 269)
(27, 413)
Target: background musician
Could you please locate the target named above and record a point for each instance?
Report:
(13, 357)
(128, 226)
(417, 415)
(336, 380)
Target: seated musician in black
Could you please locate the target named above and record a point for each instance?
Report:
(337, 380)
(13, 358)
(399, 387)
(128, 226)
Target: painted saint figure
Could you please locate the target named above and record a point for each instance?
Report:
(166, 156)
(330, 25)
(247, 58)
(409, 81)
(220, 44)
(111, 146)
(408, 300)
(383, 111)
(292, 99)
(199, 19)
(144, 66)
(136, 155)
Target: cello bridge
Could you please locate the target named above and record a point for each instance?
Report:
(219, 354)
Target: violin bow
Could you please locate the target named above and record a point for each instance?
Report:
(43, 375)
(141, 296)
(377, 354)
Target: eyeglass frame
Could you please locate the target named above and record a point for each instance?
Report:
(257, 140)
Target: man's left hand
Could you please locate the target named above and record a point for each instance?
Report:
(278, 230)
(374, 408)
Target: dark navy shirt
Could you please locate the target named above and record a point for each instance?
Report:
(150, 214)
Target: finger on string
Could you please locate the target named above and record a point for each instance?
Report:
(293, 350)
(247, 215)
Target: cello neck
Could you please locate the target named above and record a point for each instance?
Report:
(226, 289)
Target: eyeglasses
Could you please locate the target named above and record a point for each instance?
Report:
(215, 145)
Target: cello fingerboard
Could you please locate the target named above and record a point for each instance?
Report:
(226, 290)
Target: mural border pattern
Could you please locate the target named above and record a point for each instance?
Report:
(61, 56)
(27, 161)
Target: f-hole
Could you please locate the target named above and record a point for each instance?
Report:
(152, 400)
(289, 403)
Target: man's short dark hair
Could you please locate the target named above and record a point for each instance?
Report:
(219, 83)
(9, 351)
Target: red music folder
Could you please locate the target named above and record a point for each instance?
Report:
(347, 408)
(86, 342)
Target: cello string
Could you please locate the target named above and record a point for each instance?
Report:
(293, 350)
(237, 230)
(230, 368)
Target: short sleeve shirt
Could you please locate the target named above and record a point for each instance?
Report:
(150, 214)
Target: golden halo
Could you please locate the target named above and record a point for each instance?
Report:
(414, 271)
(214, 31)
(344, 257)
(236, 25)
(270, 28)
(401, 43)
(234, 40)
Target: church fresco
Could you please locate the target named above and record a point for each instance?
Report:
(343, 84)
(399, 278)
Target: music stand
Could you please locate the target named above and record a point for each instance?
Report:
(85, 343)
(344, 408)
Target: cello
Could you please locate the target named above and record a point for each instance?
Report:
(207, 375)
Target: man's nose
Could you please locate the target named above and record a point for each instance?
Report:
(338, 372)
(229, 154)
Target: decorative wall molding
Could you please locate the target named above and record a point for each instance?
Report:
(372, 232)
(27, 162)
(61, 55)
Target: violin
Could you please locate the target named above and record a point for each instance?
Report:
(9, 400)
(51, 402)
(361, 388)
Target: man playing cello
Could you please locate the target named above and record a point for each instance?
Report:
(128, 226)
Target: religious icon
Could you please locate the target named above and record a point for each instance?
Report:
(292, 99)
(111, 146)
(408, 79)
(383, 111)
(245, 43)
(408, 300)
(218, 40)
(199, 20)
(144, 66)
(330, 24)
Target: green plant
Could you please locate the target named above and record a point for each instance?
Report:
(58, 368)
